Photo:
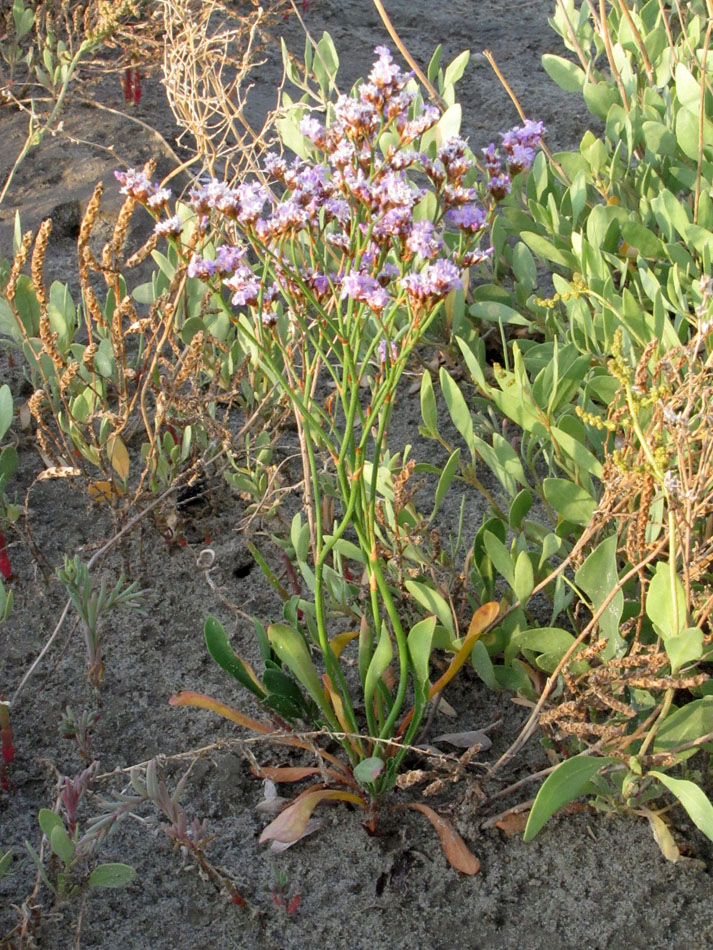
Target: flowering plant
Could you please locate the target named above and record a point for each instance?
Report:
(336, 270)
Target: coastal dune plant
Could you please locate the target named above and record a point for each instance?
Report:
(602, 385)
(335, 274)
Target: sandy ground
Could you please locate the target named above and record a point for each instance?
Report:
(588, 881)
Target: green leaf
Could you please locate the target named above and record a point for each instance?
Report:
(445, 480)
(693, 799)
(62, 844)
(497, 312)
(685, 648)
(562, 786)
(500, 556)
(368, 770)
(545, 640)
(547, 251)
(684, 725)
(571, 502)
(429, 412)
(290, 646)
(458, 409)
(519, 508)
(49, 820)
(577, 452)
(5, 863)
(598, 577)
(219, 647)
(5, 409)
(112, 874)
(299, 536)
(279, 683)
(666, 602)
(524, 577)
(24, 19)
(383, 655)
(565, 73)
(456, 68)
(434, 602)
(482, 664)
(419, 642)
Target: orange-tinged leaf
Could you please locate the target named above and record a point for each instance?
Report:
(291, 823)
(103, 490)
(338, 706)
(482, 618)
(338, 643)
(455, 849)
(513, 823)
(285, 773)
(118, 456)
(187, 697)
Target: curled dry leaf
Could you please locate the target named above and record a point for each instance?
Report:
(314, 824)
(455, 849)
(465, 740)
(289, 826)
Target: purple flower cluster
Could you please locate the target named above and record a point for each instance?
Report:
(434, 281)
(350, 216)
(520, 144)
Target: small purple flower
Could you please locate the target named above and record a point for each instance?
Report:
(245, 287)
(251, 200)
(520, 158)
(357, 118)
(412, 129)
(135, 183)
(469, 217)
(313, 130)
(393, 351)
(385, 73)
(423, 240)
(435, 280)
(528, 135)
(368, 290)
(500, 187)
(227, 258)
(159, 199)
(476, 256)
(275, 165)
(170, 227)
(387, 274)
(455, 161)
(492, 160)
(201, 267)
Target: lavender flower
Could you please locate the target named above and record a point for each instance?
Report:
(171, 227)
(500, 187)
(360, 286)
(313, 130)
(435, 280)
(135, 183)
(245, 287)
(227, 258)
(159, 199)
(393, 351)
(201, 267)
(423, 240)
(251, 198)
(468, 217)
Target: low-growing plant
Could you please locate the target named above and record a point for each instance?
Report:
(92, 605)
(607, 390)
